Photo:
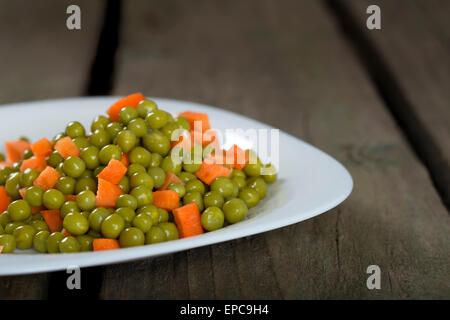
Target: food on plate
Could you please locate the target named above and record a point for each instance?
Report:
(135, 179)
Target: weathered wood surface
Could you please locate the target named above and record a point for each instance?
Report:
(414, 43)
(41, 59)
(286, 63)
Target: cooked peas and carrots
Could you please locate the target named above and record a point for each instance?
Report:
(121, 186)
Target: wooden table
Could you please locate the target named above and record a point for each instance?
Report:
(377, 100)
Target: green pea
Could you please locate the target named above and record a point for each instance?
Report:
(156, 142)
(27, 154)
(127, 114)
(249, 196)
(169, 129)
(127, 214)
(145, 107)
(158, 175)
(11, 226)
(98, 170)
(131, 237)
(240, 182)
(177, 187)
(270, 174)
(53, 242)
(126, 200)
(39, 225)
(235, 192)
(113, 129)
(67, 207)
(238, 174)
(33, 195)
(76, 223)
(112, 226)
(212, 219)
(196, 197)
(195, 185)
(85, 184)
(186, 176)
(135, 168)
(69, 245)
(138, 127)
(16, 166)
(96, 218)
(182, 123)
(87, 174)
(151, 211)
(5, 218)
(100, 138)
(8, 242)
(156, 119)
(235, 210)
(259, 185)
(143, 195)
(156, 160)
(143, 221)
(86, 200)
(109, 152)
(4, 174)
(222, 185)
(27, 177)
(100, 122)
(81, 142)
(60, 169)
(85, 242)
(141, 156)
(75, 129)
(124, 184)
(66, 185)
(90, 157)
(53, 199)
(253, 170)
(126, 140)
(40, 241)
(19, 210)
(170, 229)
(163, 215)
(169, 164)
(141, 179)
(24, 236)
(12, 185)
(155, 235)
(191, 167)
(74, 167)
(213, 199)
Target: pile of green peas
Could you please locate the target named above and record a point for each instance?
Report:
(143, 133)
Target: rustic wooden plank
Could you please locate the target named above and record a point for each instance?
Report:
(42, 59)
(286, 63)
(414, 43)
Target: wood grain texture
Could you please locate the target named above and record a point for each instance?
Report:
(414, 44)
(41, 59)
(285, 63)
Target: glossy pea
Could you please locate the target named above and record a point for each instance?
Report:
(249, 196)
(69, 245)
(126, 200)
(127, 114)
(53, 241)
(158, 175)
(4, 174)
(126, 140)
(155, 235)
(195, 185)
(39, 225)
(140, 156)
(74, 166)
(67, 207)
(100, 138)
(196, 197)
(213, 199)
(143, 221)
(112, 226)
(90, 157)
(270, 174)
(145, 107)
(124, 184)
(8, 242)
(12, 185)
(40, 241)
(126, 213)
(86, 200)
(109, 152)
(212, 219)
(33, 195)
(99, 122)
(24, 236)
(156, 119)
(81, 142)
(19, 210)
(259, 185)
(222, 185)
(76, 223)
(27, 177)
(131, 237)
(11, 226)
(235, 210)
(75, 129)
(58, 137)
(141, 179)
(170, 230)
(53, 199)
(163, 215)
(156, 142)
(113, 129)
(186, 176)
(96, 218)
(143, 195)
(138, 127)
(27, 154)
(177, 187)
(66, 185)
(151, 211)
(85, 242)
(171, 164)
(84, 184)
(155, 160)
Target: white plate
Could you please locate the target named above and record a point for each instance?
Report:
(309, 181)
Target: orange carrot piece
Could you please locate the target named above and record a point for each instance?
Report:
(1, 249)
(188, 220)
(4, 200)
(22, 192)
(125, 159)
(66, 233)
(170, 178)
(16, 149)
(192, 117)
(113, 172)
(70, 197)
(105, 244)
(42, 148)
(210, 171)
(129, 101)
(107, 194)
(53, 219)
(66, 148)
(236, 157)
(166, 199)
(35, 210)
(37, 163)
(47, 179)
